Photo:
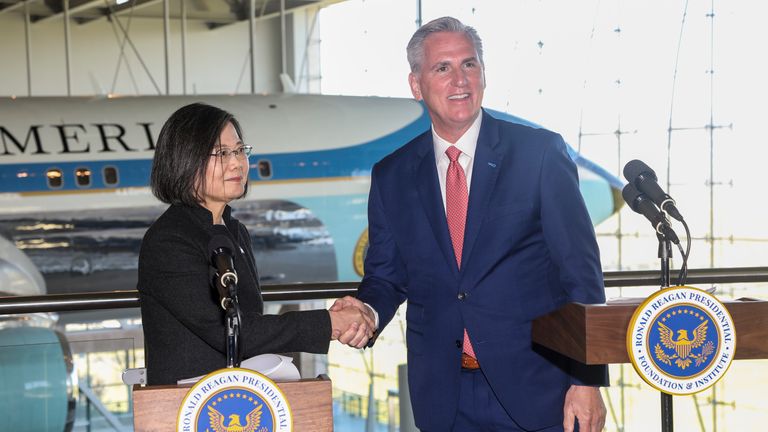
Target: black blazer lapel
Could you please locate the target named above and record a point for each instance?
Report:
(485, 171)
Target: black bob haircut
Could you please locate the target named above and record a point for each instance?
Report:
(184, 150)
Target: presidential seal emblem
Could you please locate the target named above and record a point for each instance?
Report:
(234, 400)
(361, 249)
(681, 340)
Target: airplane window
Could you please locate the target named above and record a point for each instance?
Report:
(83, 177)
(110, 176)
(265, 169)
(55, 179)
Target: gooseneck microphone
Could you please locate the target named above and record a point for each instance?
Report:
(642, 204)
(221, 247)
(644, 179)
(221, 257)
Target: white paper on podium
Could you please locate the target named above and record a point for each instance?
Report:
(274, 366)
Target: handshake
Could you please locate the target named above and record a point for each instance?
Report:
(352, 322)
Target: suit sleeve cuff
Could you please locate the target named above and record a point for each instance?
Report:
(375, 315)
(589, 375)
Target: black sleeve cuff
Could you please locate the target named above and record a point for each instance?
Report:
(589, 375)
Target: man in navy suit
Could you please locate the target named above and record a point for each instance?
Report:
(479, 224)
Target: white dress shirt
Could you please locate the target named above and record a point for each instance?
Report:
(467, 143)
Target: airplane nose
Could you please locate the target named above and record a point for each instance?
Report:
(603, 198)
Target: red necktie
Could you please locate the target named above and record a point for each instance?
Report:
(456, 197)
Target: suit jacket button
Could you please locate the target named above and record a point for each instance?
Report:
(462, 296)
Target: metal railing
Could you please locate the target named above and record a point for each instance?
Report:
(329, 290)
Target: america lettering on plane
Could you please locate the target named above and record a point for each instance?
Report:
(69, 139)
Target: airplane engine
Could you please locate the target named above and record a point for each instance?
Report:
(18, 275)
(35, 361)
(36, 372)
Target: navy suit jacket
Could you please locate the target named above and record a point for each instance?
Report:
(529, 248)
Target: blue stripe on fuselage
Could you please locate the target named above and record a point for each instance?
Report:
(32, 177)
(350, 161)
(345, 162)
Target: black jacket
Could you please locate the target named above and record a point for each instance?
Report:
(184, 332)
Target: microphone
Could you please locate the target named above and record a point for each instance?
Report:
(640, 203)
(221, 257)
(644, 179)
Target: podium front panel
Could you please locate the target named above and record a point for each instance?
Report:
(155, 408)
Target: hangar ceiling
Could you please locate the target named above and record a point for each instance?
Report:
(213, 12)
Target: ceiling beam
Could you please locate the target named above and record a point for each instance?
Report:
(15, 6)
(100, 5)
(72, 10)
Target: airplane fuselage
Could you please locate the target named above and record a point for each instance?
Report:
(74, 178)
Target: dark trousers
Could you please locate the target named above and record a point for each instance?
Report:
(480, 410)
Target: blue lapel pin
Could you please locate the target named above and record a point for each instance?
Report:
(492, 164)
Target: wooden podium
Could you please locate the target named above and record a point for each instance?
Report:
(597, 334)
(155, 408)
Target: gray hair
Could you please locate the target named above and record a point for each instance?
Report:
(415, 49)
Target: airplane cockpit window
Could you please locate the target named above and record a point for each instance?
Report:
(55, 179)
(83, 177)
(265, 169)
(110, 175)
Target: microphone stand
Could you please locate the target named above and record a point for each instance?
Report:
(232, 315)
(665, 254)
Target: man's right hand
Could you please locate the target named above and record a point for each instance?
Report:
(352, 322)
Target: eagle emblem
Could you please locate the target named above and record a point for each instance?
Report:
(252, 420)
(680, 340)
(683, 346)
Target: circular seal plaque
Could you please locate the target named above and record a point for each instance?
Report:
(681, 340)
(234, 399)
(361, 248)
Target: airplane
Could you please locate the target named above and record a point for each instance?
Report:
(74, 174)
(75, 202)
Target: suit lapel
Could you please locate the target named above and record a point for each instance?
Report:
(485, 171)
(431, 199)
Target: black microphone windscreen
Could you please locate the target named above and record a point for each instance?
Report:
(630, 194)
(635, 167)
(222, 254)
(641, 203)
(221, 250)
(219, 241)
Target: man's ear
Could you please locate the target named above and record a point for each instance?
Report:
(413, 81)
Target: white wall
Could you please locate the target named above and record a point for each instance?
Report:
(216, 59)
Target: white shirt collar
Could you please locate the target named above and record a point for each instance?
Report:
(467, 143)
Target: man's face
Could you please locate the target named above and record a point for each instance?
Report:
(451, 83)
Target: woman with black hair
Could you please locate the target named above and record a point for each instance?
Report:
(200, 165)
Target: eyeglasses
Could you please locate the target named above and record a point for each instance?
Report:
(240, 153)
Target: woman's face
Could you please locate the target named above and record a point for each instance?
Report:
(225, 176)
